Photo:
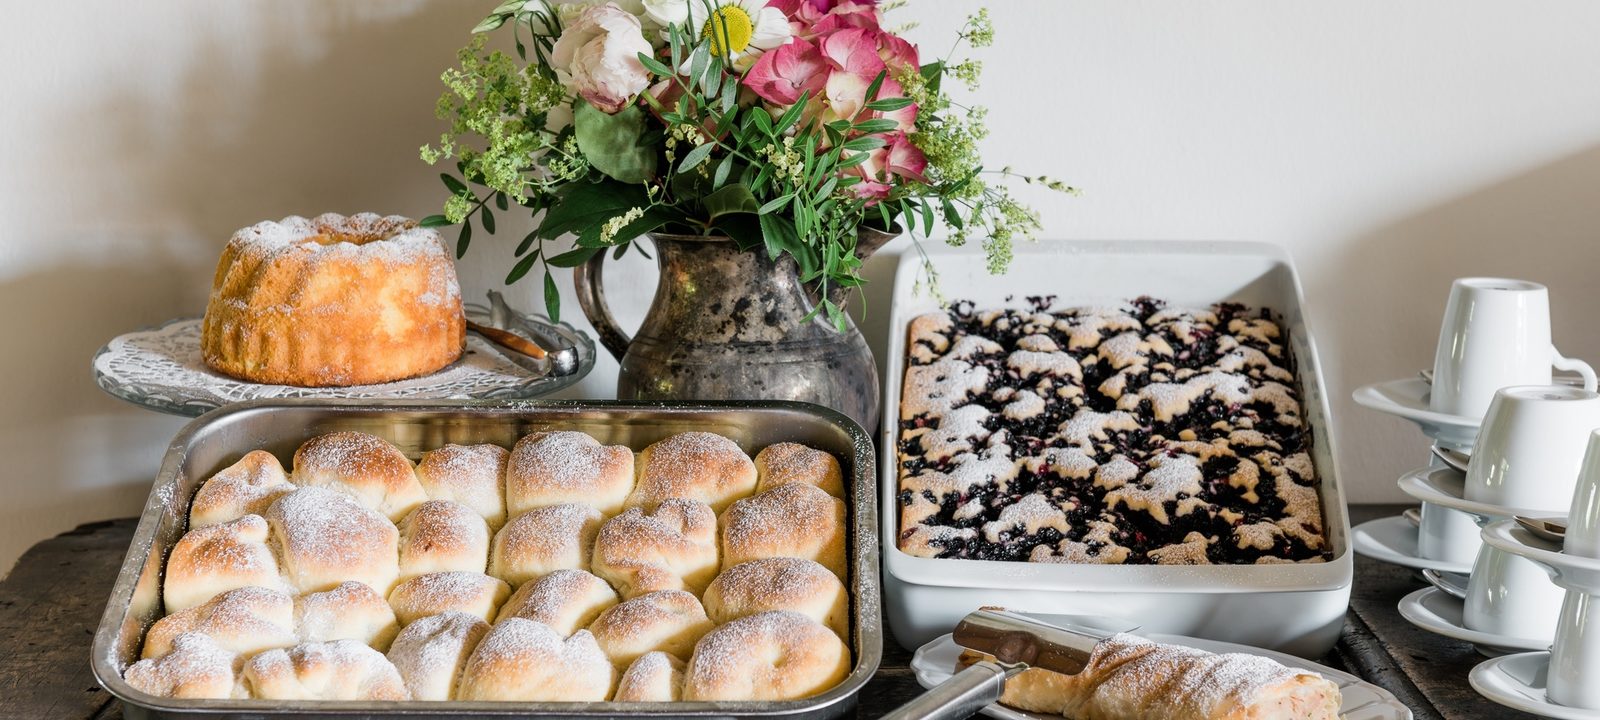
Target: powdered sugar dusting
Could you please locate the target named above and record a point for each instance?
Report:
(430, 653)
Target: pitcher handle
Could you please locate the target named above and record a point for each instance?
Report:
(1580, 367)
(590, 284)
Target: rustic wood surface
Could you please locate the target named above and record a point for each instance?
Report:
(51, 602)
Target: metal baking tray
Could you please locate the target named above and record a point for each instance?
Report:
(219, 437)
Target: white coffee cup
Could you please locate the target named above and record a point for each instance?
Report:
(1583, 516)
(1531, 446)
(1508, 595)
(1447, 535)
(1575, 656)
(1496, 332)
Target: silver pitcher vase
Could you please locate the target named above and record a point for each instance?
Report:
(731, 324)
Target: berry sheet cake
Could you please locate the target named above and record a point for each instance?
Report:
(1139, 434)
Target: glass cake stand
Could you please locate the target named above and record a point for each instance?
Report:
(160, 369)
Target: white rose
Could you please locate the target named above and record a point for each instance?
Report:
(598, 56)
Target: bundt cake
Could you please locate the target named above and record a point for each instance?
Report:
(332, 301)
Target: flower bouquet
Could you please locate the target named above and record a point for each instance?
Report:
(787, 126)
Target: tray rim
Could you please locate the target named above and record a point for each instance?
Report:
(866, 645)
(1336, 574)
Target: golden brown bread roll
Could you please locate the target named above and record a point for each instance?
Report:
(564, 466)
(217, 558)
(362, 466)
(1131, 678)
(792, 462)
(673, 547)
(473, 593)
(194, 668)
(667, 620)
(441, 536)
(793, 520)
(774, 655)
(565, 600)
(473, 475)
(430, 653)
(338, 670)
(350, 611)
(541, 541)
(654, 677)
(694, 465)
(243, 621)
(326, 538)
(802, 586)
(527, 661)
(246, 487)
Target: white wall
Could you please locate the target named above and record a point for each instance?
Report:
(1390, 146)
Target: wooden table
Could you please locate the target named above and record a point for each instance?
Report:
(52, 601)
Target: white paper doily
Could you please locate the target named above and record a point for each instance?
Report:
(161, 369)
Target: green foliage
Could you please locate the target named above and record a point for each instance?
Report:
(614, 144)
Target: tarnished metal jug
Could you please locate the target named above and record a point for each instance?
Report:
(728, 324)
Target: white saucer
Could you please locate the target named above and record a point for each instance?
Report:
(1435, 611)
(1408, 399)
(1518, 682)
(1446, 487)
(1394, 540)
(935, 662)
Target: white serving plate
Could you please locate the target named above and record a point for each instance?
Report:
(1292, 608)
(935, 663)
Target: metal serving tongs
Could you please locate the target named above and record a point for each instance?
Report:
(546, 351)
(1017, 642)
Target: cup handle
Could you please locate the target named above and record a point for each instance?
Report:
(1561, 362)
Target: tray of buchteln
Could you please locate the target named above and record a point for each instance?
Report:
(1133, 430)
(498, 559)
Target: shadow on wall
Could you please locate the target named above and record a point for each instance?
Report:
(324, 113)
(1541, 225)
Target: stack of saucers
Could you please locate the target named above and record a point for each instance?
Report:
(1489, 407)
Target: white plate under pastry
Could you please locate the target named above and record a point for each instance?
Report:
(1394, 540)
(1435, 611)
(935, 662)
(1518, 682)
(160, 369)
(1408, 398)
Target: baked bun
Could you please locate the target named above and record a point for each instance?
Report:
(338, 670)
(524, 660)
(362, 466)
(564, 466)
(441, 536)
(244, 621)
(473, 593)
(792, 462)
(802, 586)
(350, 611)
(195, 668)
(473, 475)
(540, 541)
(673, 547)
(333, 300)
(654, 677)
(326, 538)
(793, 520)
(695, 465)
(666, 620)
(775, 655)
(218, 558)
(430, 653)
(246, 487)
(566, 600)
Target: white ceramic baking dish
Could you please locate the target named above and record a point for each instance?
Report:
(1293, 608)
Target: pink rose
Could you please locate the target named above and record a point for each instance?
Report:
(597, 56)
(781, 75)
(904, 159)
